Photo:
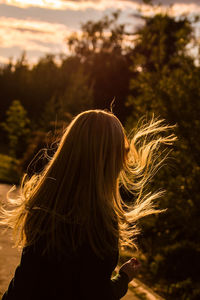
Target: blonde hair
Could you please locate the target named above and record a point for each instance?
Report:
(80, 186)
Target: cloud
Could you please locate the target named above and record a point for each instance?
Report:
(177, 9)
(41, 29)
(40, 26)
(51, 4)
(162, 2)
(55, 4)
(174, 8)
(3, 59)
(170, 2)
(80, 6)
(70, 18)
(24, 29)
(25, 35)
(73, 4)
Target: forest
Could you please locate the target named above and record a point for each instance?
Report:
(149, 71)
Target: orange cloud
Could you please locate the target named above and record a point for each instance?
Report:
(32, 35)
(73, 5)
(177, 8)
(51, 4)
(40, 37)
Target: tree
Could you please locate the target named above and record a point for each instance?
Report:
(78, 95)
(166, 82)
(16, 127)
(159, 49)
(43, 85)
(105, 58)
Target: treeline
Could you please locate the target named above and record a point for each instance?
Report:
(148, 71)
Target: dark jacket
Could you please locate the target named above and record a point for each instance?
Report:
(77, 276)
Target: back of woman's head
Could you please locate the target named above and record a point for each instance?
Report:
(79, 184)
(77, 197)
(91, 152)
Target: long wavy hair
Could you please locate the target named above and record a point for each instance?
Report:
(77, 195)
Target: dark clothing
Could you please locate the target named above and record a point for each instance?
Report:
(78, 276)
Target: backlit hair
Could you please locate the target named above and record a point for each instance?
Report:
(77, 195)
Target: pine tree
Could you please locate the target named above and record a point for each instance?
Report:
(17, 128)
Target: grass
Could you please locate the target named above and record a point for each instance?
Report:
(8, 169)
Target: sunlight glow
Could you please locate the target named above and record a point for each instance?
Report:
(3, 60)
(73, 5)
(52, 4)
(176, 9)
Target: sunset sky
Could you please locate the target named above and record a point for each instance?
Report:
(40, 26)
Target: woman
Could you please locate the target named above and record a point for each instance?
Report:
(70, 219)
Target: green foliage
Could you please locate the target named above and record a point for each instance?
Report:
(78, 95)
(16, 127)
(105, 55)
(159, 53)
(44, 81)
(166, 82)
(9, 169)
